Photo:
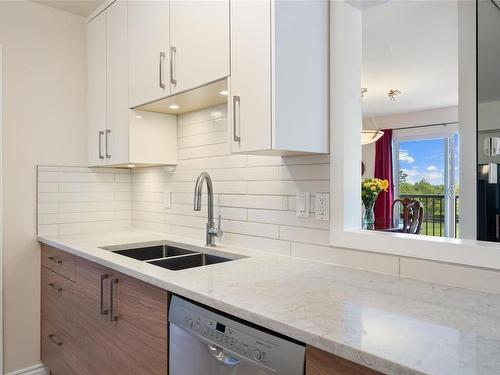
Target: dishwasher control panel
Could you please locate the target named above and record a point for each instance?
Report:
(227, 336)
(222, 333)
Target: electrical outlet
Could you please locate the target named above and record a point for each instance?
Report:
(167, 202)
(322, 206)
(303, 203)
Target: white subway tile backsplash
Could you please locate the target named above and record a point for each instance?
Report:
(305, 235)
(286, 187)
(78, 199)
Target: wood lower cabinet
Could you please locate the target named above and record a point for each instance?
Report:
(104, 322)
(319, 362)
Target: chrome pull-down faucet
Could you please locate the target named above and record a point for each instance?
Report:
(212, 232)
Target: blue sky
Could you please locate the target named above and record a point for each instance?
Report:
(424, 159)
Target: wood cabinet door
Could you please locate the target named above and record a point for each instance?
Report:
(149, 37)
(96, 349)
(200, 36)
(96, 89)
(319, 362)
(250, 82)
(124, 331)
(139, 325)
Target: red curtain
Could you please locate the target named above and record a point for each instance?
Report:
(383, 170)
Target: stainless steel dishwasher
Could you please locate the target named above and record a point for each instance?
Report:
(204, 342)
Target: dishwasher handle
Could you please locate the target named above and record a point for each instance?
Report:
(222, 357)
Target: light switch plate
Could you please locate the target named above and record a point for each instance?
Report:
(167, 202)
(323, 206)
(303, 203)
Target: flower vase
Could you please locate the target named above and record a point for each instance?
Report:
(369, 216)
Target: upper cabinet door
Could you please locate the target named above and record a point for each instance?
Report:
(250, 82)
(149, 37)
(117, 131)
(199, 45)
(96, 90)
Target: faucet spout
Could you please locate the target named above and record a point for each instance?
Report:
(212, 232)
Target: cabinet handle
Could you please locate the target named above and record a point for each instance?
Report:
(55, 259)
(103, 279)
(162, 68)
(52, 338)
(236, 100)
(108, 154)
(173, 52)
(113, 316)
(53, 286)
(101, 133)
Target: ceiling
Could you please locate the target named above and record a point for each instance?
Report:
(79, 7)
(411, 46)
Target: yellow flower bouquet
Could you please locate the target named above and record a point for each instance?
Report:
(370, 189)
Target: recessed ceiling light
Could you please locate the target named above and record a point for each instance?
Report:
(173, 106)
(224, 92)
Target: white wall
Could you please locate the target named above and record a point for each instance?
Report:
(44, 112)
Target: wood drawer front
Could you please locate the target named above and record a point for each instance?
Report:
(58, 351)
(59, 261)
(58, 302)
(319, 362)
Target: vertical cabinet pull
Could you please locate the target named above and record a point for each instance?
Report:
(108, 154)
(236, 117)
(52, 338)
(101, 133)
(173, 51)
(103, 279)
(162, 70)
(113, 316)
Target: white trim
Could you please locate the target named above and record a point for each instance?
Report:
(38, 369)
(345, 104)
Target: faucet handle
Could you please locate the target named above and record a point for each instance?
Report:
(219, 231)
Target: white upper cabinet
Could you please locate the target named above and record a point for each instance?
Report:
(117, 84)
(149, 41)
(199, 42)
(279, 77)
(119, 136)
(96, 89)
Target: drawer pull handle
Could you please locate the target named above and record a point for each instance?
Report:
(113, 316)
(52, 338)
(53, 286)
(55, 259)
(103, 279)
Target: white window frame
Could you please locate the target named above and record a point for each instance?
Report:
(345, 149)
(447, 133)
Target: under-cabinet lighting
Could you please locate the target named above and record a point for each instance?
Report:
(138, 116)
(173, 106)
(131, 165)
(224, 92)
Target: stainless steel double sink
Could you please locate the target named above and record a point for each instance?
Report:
(167, 256)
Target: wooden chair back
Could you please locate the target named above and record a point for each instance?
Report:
(412, 213)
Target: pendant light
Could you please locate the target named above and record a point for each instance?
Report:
(370, 135)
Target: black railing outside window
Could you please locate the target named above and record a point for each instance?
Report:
(434, 210)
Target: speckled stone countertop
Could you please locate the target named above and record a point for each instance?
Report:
(390, 324)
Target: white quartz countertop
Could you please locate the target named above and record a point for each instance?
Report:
(390, 324)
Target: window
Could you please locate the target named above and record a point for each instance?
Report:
(426, 162)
